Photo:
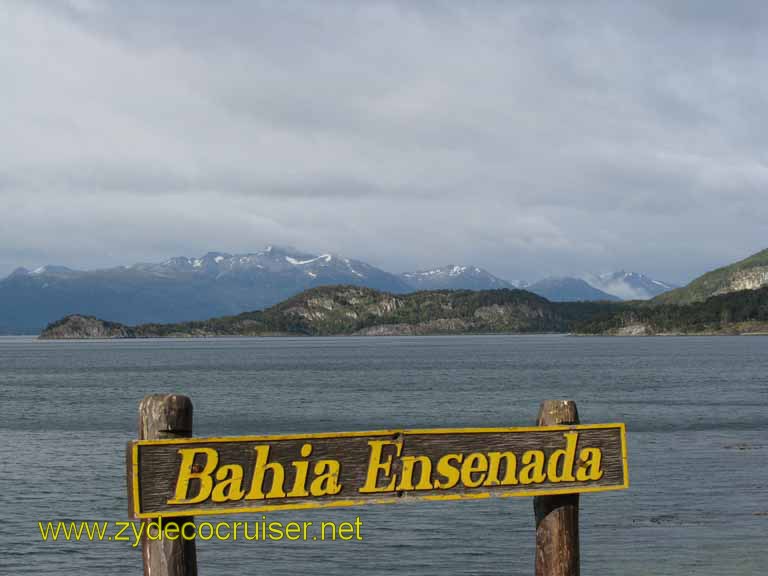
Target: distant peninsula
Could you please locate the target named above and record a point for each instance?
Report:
(733, 313)
(355, 310)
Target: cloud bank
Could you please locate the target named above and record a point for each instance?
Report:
(528, 138)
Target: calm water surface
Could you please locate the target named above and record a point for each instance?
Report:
(696, 411)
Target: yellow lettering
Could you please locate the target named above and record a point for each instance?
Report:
(376, 465)
(425, 473)
(186, 474)
(590, 460)
(449, 473)
(475, 463)
(533, 469)
(494, 465)
(229, 481)
(567, 455)
(300, 482)
(259, 471)
(326, 481)
(275, 531)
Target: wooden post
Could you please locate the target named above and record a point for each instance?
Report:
(165, 416)
(557, 517)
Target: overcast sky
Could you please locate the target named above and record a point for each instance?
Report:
(529, 138)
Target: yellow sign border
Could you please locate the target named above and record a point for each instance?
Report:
(360, 502)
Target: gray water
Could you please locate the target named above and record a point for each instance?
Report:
(696, 411)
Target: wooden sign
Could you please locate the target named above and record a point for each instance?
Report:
(193, 476)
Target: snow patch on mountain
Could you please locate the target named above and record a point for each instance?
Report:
(628, 285)
(51, 269)
(294, 261)
(454, 277)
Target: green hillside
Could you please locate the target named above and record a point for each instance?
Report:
(339, 310)
(718, 281)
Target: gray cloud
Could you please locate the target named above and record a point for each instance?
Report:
(529, 138)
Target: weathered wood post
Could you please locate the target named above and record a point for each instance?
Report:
(557, 517)
(167, 416)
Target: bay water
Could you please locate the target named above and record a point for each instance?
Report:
(696, 411)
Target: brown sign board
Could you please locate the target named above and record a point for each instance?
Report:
(194, 476)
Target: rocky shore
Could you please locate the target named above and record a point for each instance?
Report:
(76, 327)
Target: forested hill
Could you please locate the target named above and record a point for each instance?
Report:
(740, 312)
(338, 310)
(748, 274)
(347, 310)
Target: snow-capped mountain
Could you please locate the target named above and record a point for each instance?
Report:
(274, 260)
(453, 277)
(178, 289)
(628, 285)
(217, 284)
(49, 270)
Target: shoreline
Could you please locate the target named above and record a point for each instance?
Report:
(374, 336)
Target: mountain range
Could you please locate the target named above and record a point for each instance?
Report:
(220, 284)
(178, 289)
(453, 277)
